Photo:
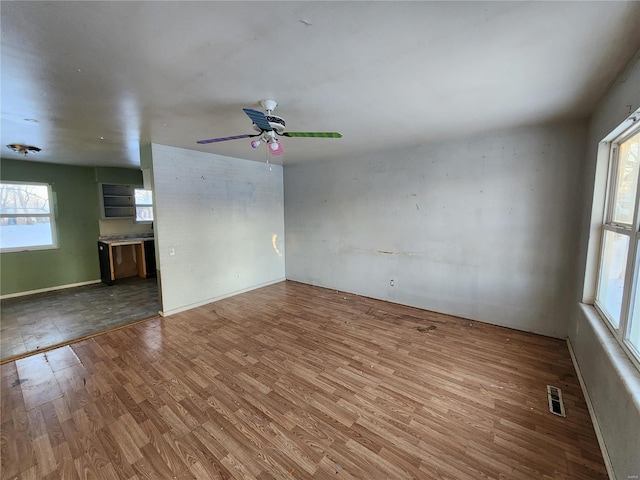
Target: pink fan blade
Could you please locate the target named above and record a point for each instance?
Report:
(278, 151)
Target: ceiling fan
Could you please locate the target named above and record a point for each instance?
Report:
(268, 126)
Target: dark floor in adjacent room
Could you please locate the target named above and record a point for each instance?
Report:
(34, 322)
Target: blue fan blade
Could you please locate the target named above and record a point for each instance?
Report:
(224, 139)
(258, 118)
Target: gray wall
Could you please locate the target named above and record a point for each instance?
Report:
(483, 227)
(612, 382)
(219, 215)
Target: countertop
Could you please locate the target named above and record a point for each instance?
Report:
(125, 239)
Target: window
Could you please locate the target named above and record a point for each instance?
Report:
(27, 220)
(144, 205)
(617, 293)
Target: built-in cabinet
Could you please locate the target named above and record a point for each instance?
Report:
(126, 258)
(117, 201)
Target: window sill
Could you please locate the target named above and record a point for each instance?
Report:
(29, 249)
(624, 367)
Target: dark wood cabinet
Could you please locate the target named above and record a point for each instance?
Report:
(150, 257)
(104, 254)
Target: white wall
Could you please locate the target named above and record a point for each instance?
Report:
(612, 382)
(219, 215)
(484, 227)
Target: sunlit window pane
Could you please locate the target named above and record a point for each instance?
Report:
(633, 329)
(144, 205)
(143, 197)
(627, 180)
(24, 199)
(144, 214)
(26, 217)
(612, 272)
(25, 232)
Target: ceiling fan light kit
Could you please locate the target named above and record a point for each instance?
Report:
(268, 126)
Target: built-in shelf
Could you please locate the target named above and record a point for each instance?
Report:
(117, 201)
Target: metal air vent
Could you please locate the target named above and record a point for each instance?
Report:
(556, 405)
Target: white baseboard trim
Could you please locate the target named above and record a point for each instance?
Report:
(49, 289)
(592, 414)
(184, 308)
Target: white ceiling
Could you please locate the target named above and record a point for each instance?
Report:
(101, 78)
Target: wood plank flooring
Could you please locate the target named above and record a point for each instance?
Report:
(298, 382)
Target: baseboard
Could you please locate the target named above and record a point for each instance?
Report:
(48, 289)
(592, 414)
(184, 308)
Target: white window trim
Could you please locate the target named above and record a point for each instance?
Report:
(51, 215)
(620, 333)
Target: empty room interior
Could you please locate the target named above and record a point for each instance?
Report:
(296, 240)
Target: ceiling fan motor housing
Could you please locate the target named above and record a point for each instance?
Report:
(276, 123)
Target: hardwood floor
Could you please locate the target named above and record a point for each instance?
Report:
(296, 382)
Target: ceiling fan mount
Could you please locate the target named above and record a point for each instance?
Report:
(269, 105)
(268, 127)
(23, 149)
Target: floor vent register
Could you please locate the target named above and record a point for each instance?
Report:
(556, 405)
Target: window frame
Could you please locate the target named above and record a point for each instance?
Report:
(51, 215)
(632, 231)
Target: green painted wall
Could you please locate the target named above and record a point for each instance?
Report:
(118, 175)
(76, 259)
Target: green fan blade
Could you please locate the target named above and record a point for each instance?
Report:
(313, 134)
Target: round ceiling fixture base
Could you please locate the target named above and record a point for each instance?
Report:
(23, 149)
